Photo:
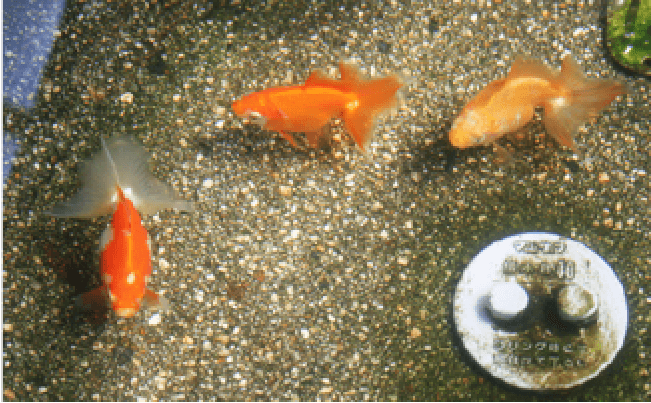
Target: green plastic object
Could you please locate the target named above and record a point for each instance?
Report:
(629, 34)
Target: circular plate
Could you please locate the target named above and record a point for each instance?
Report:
(541, 351)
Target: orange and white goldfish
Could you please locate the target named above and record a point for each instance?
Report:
(568, 99)
(309, 107)
(118, 180)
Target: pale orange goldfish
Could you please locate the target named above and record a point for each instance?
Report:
(568, 99)
(309, 107)
(117, 181)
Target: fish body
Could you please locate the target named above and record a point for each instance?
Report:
(307, 108)
(125, 263)
(568, 99)
(118, 182)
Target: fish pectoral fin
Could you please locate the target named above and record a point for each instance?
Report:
(94, 300)
(256, 118)
(151, 300)
(313, 138)
(289, 137)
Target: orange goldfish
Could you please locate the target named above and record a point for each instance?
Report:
(125, 263)
(309, 107)
(568, 99)
(125, 247)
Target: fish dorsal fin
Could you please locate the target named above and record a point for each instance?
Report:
(349, 81)
(524, 66)
(486, 93)
(121, 197)
(122, 217)
(318, 79)
(349, 73)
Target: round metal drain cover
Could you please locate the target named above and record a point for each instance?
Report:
(540, 311)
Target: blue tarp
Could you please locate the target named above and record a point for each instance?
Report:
(28, 33)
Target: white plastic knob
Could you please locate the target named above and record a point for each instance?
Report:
(508, 300)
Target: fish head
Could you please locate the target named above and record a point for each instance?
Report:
(253, 107)
(468, 130)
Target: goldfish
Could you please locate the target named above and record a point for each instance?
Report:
(117, 181)
(568, 99)
(309, 107)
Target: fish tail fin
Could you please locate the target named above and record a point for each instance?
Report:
(148, 194)
(110, 159)
(128, 161)
(375, 97)
(586, 97)
(96, 196)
